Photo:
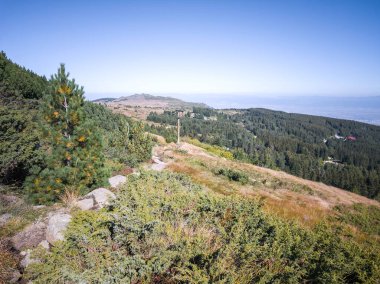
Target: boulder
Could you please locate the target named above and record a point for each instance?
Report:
(102, 196)
(9, 199)
(37, 207)
(30, 237)
(117, 181)
(85, 204)
(4, 218)
(57, 224)
(45, 244)
(27, 260)
(15, 276)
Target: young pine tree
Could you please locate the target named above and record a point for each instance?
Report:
(74, 156)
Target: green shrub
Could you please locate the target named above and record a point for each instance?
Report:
(124, 140)
(233, 175)
(367, 218)
(162, 228)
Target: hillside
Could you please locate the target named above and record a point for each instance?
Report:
(289, 196)
(202, 218)
(140, 105)
(110, 212)
(337, 152)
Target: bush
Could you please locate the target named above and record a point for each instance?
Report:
(233, 175)
(124, 140)
(162, 228)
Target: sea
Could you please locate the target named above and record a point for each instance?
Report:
(363, 109)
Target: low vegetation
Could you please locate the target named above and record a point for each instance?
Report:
(165, 229)
(216, 150)
(295, 143)
(232, 175)
(366, 218)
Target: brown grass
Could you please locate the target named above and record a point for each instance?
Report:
(284, 195)
(8, 261)
(69, 197)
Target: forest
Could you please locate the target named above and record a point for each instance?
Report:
(337, 152)
(53, 140)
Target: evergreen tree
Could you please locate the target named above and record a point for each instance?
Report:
(72, 143)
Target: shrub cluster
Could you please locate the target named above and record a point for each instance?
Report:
(164, 229)
(233, 175)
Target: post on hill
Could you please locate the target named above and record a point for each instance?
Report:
(179, 115)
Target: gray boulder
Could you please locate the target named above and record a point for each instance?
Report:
(117, 181)
(27, 260)
(30, 237)
(15, 276)
(9, 199)
(102, 196)
(45, 244)
(57, 224)
(85, 204)
(4, 218)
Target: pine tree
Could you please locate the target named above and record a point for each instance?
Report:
(73, 145)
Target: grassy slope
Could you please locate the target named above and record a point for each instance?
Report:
(287, 196)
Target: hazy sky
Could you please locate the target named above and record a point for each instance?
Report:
(189, 46)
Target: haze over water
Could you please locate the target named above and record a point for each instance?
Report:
(363, 109)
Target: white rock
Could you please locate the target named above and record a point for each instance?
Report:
(36, 207)
(102, 196)
(30, 237)
(117, 180)
(85, 204)
(16, 275)
(45, 244)
(27, 260)
(57, 224)
(4, 218)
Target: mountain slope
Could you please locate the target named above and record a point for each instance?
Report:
(146, 100)
(338, 152)
(289, 196)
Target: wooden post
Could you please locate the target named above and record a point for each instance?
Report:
(178, 130)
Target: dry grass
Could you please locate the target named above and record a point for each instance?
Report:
(69, 197)
(287, 196)
(296, 210)
(8, 261)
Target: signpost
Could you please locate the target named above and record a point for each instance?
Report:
(179, 115)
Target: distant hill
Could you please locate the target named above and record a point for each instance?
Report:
(104, 100)
(146, 100)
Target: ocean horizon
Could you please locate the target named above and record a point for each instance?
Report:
(363, 109)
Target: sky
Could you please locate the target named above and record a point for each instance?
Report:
(308, 47)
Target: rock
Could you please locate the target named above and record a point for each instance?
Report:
(4, 218)
(85, 204)
(16, 275)
(45, 244)
(57, 224)
(117, 180)
(101, 196)
(136, 172)
(9, 199)
(27, 260)
(36, 207)
(30, 237)
(158, 164)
